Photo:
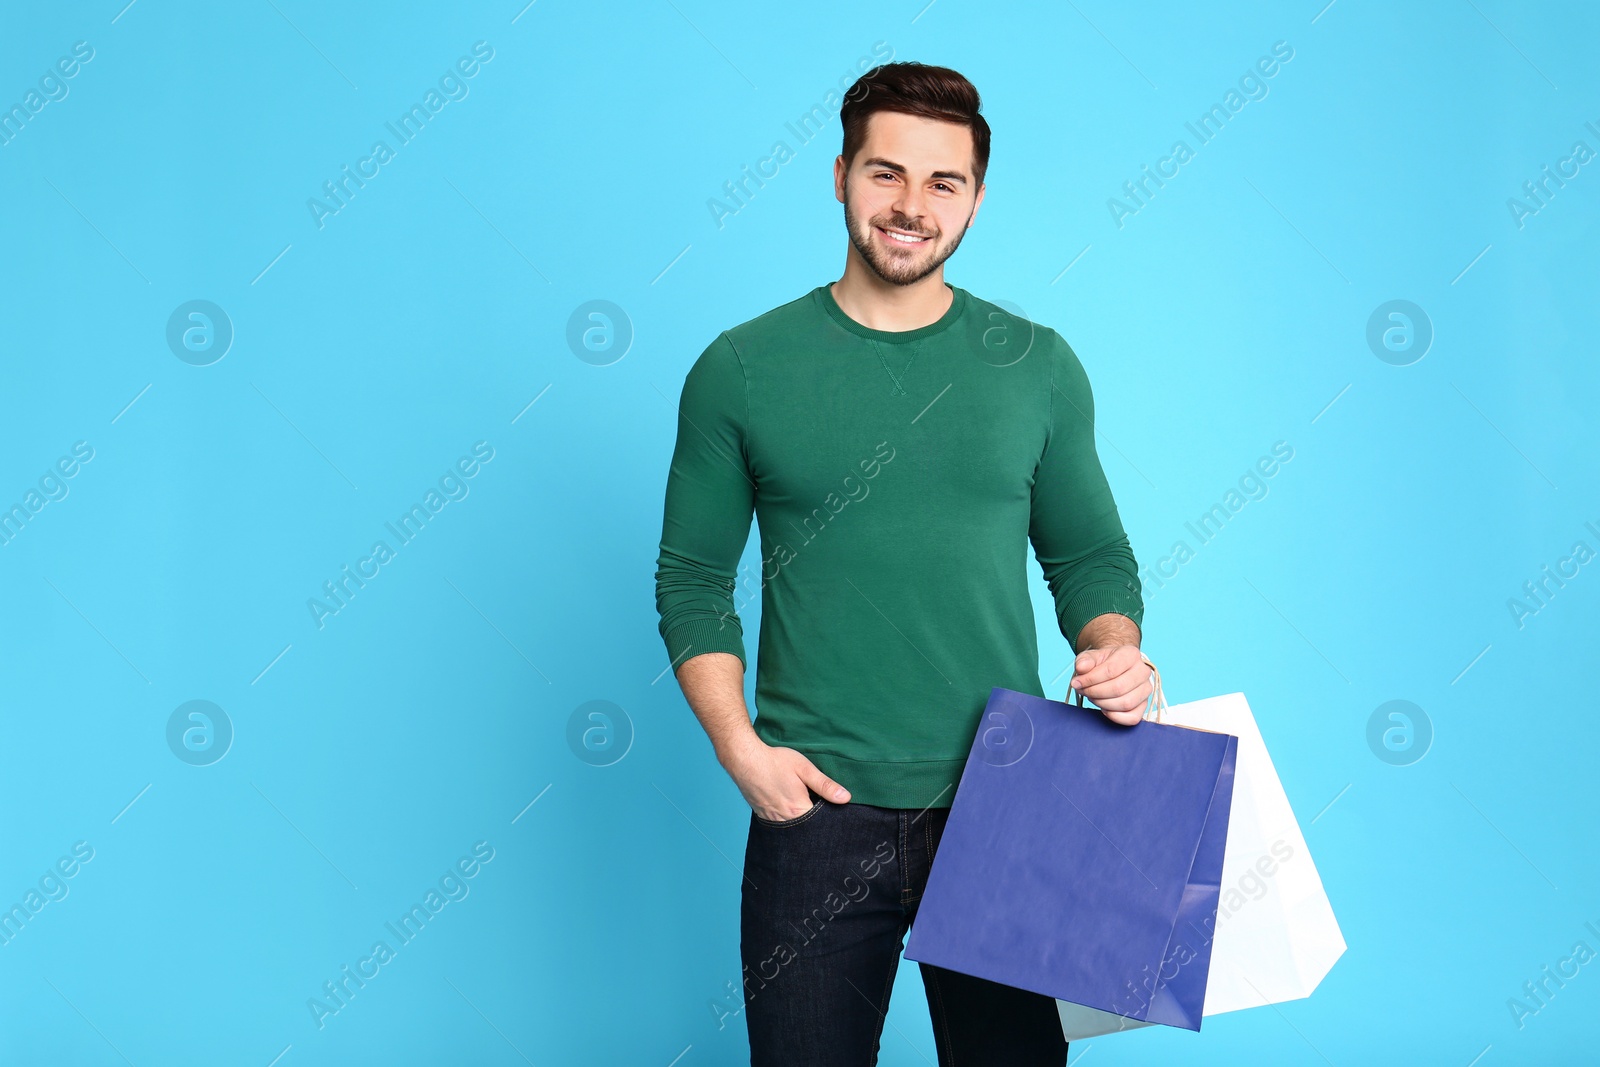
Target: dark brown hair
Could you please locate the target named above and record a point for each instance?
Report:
(915, 89)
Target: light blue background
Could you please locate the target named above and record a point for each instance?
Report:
(1229, 313)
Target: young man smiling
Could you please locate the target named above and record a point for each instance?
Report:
(884, 625)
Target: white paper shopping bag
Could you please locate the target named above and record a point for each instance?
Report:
(1276, 936)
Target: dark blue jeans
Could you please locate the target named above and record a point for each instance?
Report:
(828, 897)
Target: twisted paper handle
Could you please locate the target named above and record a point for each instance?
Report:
(1158, 696)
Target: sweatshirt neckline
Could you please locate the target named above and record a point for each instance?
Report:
(958, 305)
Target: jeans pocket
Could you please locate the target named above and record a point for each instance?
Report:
(780, 824)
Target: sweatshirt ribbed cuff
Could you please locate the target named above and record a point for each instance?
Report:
(1099, 600)
(693, 636)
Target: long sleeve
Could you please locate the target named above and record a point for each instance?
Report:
(709, 500)
(1076, 532)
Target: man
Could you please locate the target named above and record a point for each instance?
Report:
(899, 441)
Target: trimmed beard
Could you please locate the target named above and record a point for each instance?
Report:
(908, 273)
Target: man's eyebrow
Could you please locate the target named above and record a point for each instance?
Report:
(878, 162)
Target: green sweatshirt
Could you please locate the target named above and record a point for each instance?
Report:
(897, 478)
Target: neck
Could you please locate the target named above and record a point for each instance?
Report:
(879, 305)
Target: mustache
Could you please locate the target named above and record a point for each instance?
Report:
(903, 228)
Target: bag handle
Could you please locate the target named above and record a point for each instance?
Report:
(1157, 701)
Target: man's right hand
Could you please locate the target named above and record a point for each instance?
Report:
(774, 780)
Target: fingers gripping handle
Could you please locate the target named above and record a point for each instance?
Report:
(1157, 702)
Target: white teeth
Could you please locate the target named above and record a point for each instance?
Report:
(903, 239)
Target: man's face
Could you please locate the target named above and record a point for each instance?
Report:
(912, 177)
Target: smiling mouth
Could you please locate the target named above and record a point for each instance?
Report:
(903, 238)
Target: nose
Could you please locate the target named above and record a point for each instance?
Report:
(909, 204)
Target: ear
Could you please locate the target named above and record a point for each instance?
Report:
(976, 204)
(838, 178)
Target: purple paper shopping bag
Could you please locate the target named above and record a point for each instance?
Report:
(1082, 859)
